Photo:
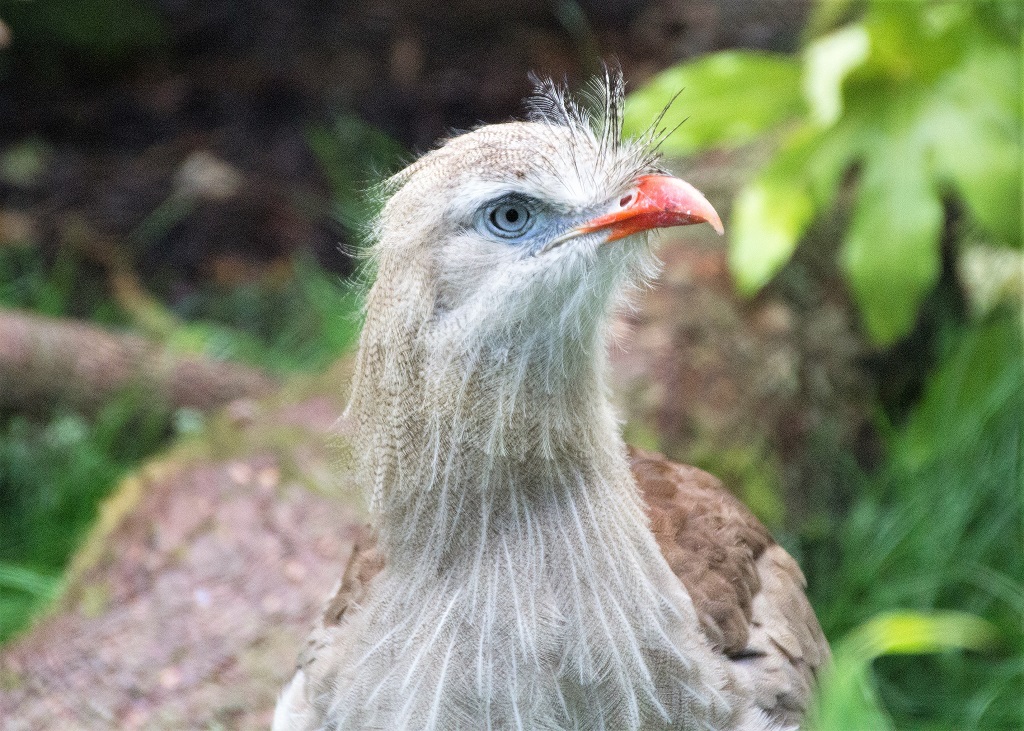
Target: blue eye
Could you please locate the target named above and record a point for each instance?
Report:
(509, 219)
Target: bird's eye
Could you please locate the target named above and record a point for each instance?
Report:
(509, 219)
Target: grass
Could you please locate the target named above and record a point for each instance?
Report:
(58, 288)
(940, 528)
(53, 473)
(300, 326)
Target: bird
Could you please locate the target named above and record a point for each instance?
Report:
(527, 569)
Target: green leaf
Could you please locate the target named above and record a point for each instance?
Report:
(826, 16)
(834, 152)
(989, 182)
(916, 41)
(727, 99)
(847, 698)
(24, 579)
(772, 213)
(1005, 17)
(891, 253)
(914, 633)
(974, 382)
(975, 122)
(827, 62)
(768, 218)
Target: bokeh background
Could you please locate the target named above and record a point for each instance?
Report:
(181, 214)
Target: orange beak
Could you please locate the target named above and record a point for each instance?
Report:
(657, 201)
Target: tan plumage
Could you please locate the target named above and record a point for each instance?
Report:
(528, 572)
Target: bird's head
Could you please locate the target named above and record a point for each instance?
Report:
(500, 254)
(526, 222)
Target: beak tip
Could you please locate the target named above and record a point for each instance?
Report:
(709, 214)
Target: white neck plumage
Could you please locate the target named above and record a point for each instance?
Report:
(522, 577)
(499, 419)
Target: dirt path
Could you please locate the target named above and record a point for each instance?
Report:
(187, 606)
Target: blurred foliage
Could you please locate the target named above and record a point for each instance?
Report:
(939, 527)
(53, 473)
(28, 281)
(55, 467)
(920, 101)
(24, 164)
(356, 156)
(847, 699)
(302, 325)
(312, 318)
(44, 32)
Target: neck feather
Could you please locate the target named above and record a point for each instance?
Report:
(467, 434)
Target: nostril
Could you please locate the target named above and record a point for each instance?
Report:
(624, 200)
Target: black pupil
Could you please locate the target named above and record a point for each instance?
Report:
(509, 219)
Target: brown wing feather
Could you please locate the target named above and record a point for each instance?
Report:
(748, 592)
(710, 540)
